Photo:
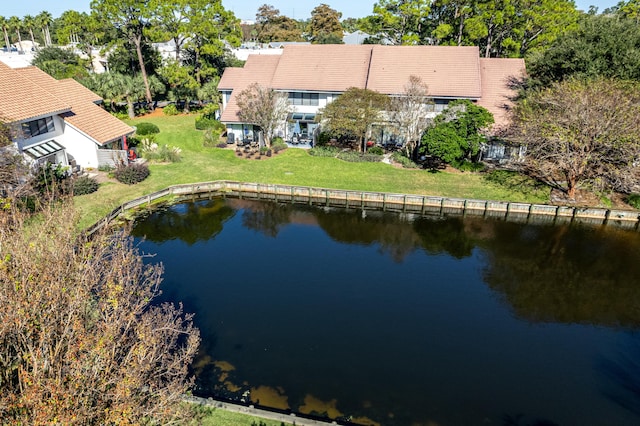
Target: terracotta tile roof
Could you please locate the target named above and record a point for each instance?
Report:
(85, 115)
(496, 75)
(258, 69)
(323, 67)
(448, 71)
(22, 99)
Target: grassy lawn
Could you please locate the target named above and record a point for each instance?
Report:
(292, 167)
(218, 417)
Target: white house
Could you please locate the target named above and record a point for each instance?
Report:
(59, 121)
(314, 75)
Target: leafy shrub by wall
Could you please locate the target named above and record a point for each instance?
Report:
(376, 150)
(324, 151)
(84, 185)
(278, 144)
(634, 200)
(143, 129)
(132, 173)
(170, 109)
(203, 123)
(405, 162)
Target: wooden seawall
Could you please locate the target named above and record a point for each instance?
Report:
(404, 203)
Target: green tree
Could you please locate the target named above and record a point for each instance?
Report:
(271, 26)
(80, 340)
(15, 24)
(43, 20)
(4, 23)
(84, 29)
(28, 22)
(181, 81)
(131, 18)
(606, 46)
(581, 131)
(60, 63)
(353, 113)
(401, 21)
(325, 25)
(263, 107)
(210, 28)
(456, 134)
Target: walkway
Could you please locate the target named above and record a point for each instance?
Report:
(257, 412)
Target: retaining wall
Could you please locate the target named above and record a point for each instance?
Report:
(405, 203)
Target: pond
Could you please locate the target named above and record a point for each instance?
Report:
(389, 319)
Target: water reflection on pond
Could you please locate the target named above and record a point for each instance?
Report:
(394, 320)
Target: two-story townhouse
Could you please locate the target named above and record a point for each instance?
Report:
(59, 121)
(314, 75)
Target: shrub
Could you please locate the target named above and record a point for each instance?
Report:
(120, 115)
(143, 129)
(105, 168)
(204, 123)
(405, 162)
(358, 157)
(468, 166)
(376, 150)
(263, 150)
(323, 139)
(132, 173)
(324, 151)
(278, 144)
(211, 137)
(170, 109)
(634, 200)
(84, 185)
(151, 151)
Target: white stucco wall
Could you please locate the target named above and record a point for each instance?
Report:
(80, 147)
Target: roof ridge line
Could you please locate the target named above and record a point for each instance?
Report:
(366, 80)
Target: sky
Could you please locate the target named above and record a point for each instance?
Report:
(243, 9)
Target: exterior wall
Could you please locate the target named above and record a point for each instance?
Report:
(80, 147)
(57, 134)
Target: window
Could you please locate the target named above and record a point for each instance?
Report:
(37, 127)
(299, 98)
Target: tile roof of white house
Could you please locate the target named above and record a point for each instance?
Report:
(28, 93)
(455, 72)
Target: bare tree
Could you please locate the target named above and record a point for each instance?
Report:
(581, 131)
(80, 341)
(410, 112)
(264, 107)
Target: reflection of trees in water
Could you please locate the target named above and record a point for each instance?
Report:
(395, 237)
(566, 274)
(189, 222)
(623, 374)
(266, 217)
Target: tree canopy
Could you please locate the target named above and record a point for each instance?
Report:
(80, 340)
(581, 132)
(353, 113)
(601, 46)
(457, 132)
(325, 27)
(263, 107)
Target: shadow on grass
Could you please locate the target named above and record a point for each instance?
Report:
(516, 182)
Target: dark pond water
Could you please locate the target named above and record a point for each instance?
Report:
(397, 320)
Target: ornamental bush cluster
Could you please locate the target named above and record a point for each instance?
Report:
(132, 173)
(143, 129)
(84, 185)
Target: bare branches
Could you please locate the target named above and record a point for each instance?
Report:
(581, 131)
(80, 342)
(263, 107)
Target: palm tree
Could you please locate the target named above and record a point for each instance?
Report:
(5, 25)
(28, 21)
(16, 24)
(43, 20)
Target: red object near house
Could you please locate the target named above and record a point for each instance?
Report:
(370, 144)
